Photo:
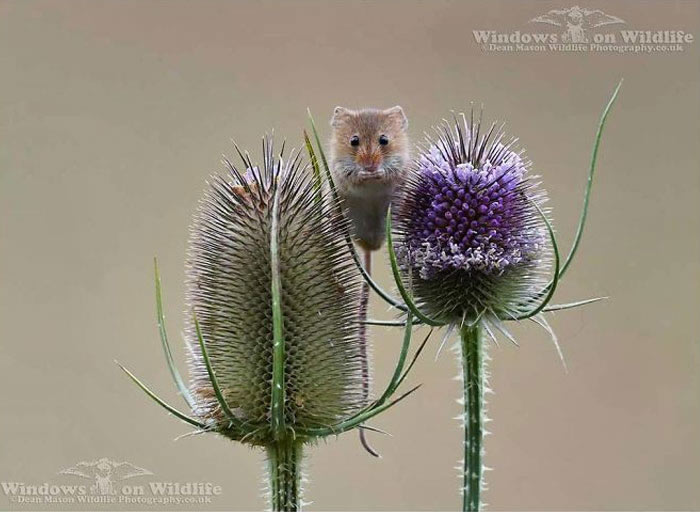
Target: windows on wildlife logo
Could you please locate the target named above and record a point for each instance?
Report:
(580, 29)
(107, 482)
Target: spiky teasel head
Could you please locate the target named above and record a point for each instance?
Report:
(268, 226)
(472, 234)
(273, 326)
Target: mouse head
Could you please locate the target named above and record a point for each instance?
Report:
(369, 145)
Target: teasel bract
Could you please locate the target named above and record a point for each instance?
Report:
(472, 247)
(272, 323)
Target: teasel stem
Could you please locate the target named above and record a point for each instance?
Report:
(284, 468)
(473, 381)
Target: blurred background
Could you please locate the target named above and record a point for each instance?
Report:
(112, 115)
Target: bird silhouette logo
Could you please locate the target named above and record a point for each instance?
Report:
(577, 22)
(105, 473)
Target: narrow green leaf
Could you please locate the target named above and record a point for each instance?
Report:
(278, 350)
(388, 323)
(314, 166)
(570, 305)
(589, 184)
(354, 422)
(212, 375)
(397, 278)
(321, 152)
(391, 387)
(378, 289)
(379, 404)
(552, 286)
(182, 388)
(161, 402)
(414, 359)
(374, 429)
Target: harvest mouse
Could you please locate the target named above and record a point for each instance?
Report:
(369, 156)
(368, 160)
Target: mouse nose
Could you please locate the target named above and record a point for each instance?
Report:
(370, 161)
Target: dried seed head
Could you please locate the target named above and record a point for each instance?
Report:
(229, 289)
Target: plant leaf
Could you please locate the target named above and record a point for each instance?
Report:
(352, 423)
(570, 305)
(182, 388)
(389, 323)
(321, 152)
(212, 375)
(552, 286)
(391, 387)
(278, 350)
(160, 401)
(314, 165)
(414, 359)
(589, 184)
(397, 278)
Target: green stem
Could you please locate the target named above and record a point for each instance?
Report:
(278, 398)
(473, 380)
(284, 468)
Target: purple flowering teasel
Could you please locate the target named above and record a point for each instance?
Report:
(474, 247)
(472, 244)
(472, 233)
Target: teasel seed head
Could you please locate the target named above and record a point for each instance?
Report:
(230, 274)
(273, 320)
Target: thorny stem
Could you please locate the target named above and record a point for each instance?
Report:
(473, 381)
(284, 468)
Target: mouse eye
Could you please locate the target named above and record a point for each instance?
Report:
(354, 140)
(383, 140)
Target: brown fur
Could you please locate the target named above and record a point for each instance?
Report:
(369, 124)
(368, 175)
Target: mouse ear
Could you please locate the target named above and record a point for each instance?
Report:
(397, 112)
(338, 114)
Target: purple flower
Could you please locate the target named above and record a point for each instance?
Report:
(470, 232)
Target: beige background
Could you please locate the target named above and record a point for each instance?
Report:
(113, 113)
